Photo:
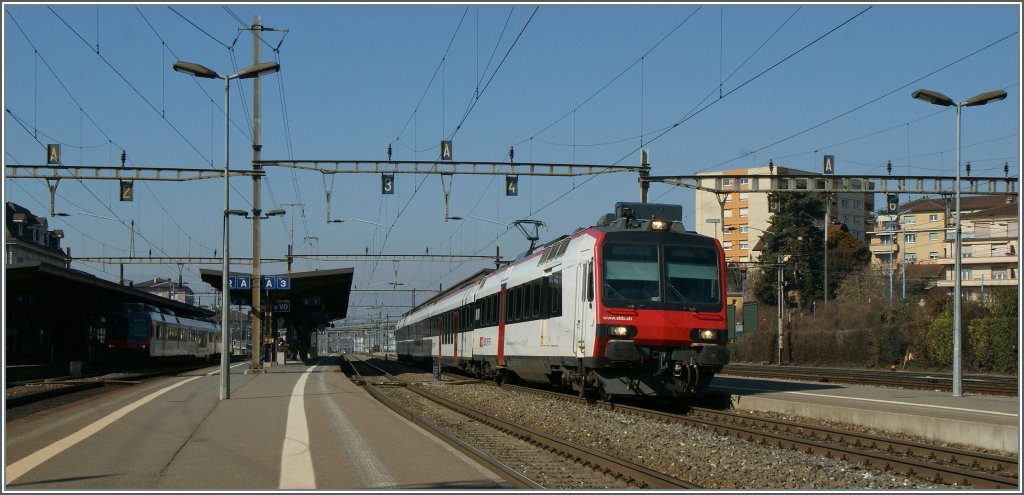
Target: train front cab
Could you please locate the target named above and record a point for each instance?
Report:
(660, 315)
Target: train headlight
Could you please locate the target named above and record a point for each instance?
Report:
(705, 335)
(616, 331)
(659, 225)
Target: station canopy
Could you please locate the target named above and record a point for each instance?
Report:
(316, 297)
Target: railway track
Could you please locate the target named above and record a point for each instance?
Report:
(52, 387)
(527, 458)
(980, 384)
(928, 462)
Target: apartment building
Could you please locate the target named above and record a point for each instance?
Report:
(169, 289)
(739, 220)
(922, 234)
(28, 238)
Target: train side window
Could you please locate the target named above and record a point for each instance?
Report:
(527, 300)
(590, 281)
(536, 297)
(519, 302)
(513, 305)
(523, 299)
(556, 294)
(510, 305)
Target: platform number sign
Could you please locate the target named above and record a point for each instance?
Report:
(239, 282)
(387, 183)
(892, 203)
(511, 185)
(446, 151)
(127, 190)
(53, 154)
(829, 165)
(275, 282)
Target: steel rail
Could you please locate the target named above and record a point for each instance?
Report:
(927, 470)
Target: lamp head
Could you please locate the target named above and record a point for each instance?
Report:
(258, 70)
(985, 98)
(933, 97)
(195, 70)
(275, 213)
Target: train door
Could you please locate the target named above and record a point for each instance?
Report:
(583, 313)
(466, 333)
(455, 336)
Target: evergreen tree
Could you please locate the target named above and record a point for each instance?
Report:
(792, 235)
(847, 256)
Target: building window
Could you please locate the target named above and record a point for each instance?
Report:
(744, 245)
(910, 238)
(910, 257)
(744, 229)
(933, 236)
(726, 182)
(965, 274)
(727, 246)
(998, 274)
(934, 255)
(744, 196)
(846, 203)
(744, 212)
(933, 217)
(728, 214)
(744, 181)
(728, 198)
(910, 219)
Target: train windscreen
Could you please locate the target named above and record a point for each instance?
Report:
(121, 326)
(660, 276)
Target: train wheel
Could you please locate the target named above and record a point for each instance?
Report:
(582, 383)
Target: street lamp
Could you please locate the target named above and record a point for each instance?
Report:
(936, 98)
(252, 71)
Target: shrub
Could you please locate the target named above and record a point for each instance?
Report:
(993, 344)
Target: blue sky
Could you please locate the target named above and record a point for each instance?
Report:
(586, 84)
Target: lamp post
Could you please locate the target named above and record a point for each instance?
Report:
(936, 98)
(780, 265)
(252, 71)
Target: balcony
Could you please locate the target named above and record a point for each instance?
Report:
(980, 260)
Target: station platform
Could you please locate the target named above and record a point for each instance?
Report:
(982, 421)
(293, 427)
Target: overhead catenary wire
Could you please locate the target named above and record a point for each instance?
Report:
(869, 102)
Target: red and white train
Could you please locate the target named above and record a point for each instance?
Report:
(141, 331)
(634, 306)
